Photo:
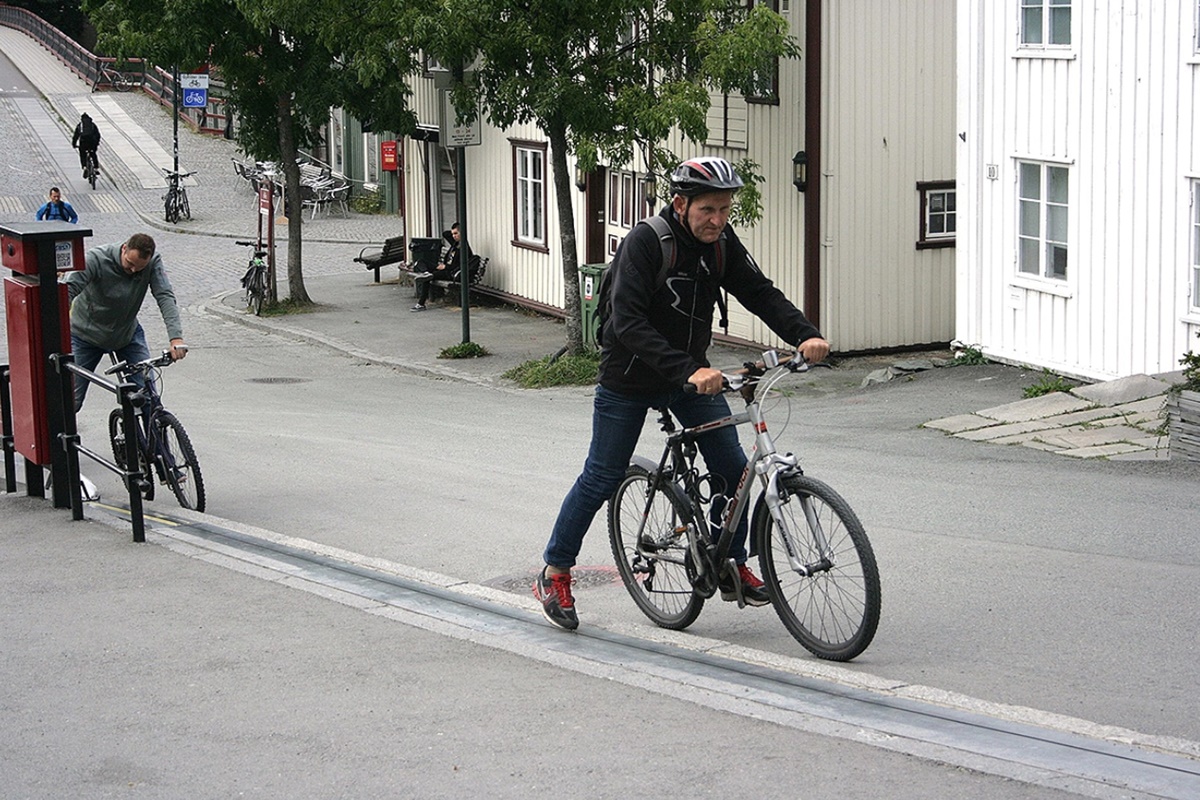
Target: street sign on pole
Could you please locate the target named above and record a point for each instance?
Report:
(194, 87)
(451, 134)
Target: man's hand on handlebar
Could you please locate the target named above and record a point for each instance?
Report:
(814, 350)
(178, 349)
(707, 380)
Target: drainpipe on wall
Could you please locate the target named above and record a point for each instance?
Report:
(813, 57)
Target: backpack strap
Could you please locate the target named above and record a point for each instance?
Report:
(666, 243)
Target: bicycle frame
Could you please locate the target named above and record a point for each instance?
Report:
(764, 461)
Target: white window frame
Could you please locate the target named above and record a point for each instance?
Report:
(529, 195)
(1046, 12)
(1194, 230)
(928, 235)
(1050, 212)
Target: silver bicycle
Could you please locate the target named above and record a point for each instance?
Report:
(817, 564)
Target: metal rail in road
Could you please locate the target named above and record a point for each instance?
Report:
(1029, 753)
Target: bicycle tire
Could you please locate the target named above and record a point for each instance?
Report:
(657, 577)
(93, 170)
(170, 207)
(180, 467)
(116, 435)
(184, 208)
(834, 612)
(256, 290)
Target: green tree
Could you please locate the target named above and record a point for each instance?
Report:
(281, 75)
(602, 78)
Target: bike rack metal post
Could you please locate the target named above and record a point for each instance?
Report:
(70, 433)
(6, 433)
(130, 397)
(131, 401)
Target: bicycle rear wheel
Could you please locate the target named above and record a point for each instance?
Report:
(256, 290)
(180, 468)
(655, 567)
(834, 611)
(93, 170)
(170, 207)
(116, 435)
(184, 208)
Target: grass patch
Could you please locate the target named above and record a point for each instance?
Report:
(580, 370)
(287, 306)
(970, 355)
(464, 350)
(1047, 384)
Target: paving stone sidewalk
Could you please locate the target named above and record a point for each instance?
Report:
(1121, 419)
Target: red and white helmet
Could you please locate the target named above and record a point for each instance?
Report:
(705, 174)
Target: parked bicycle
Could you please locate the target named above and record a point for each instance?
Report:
(175, 201)
(255, 279)
(91, 169)
(815, 558)
(164, 450)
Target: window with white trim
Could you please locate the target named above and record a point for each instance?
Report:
(1045, 23)
(1195, 227)
(529, 190)
(939, 214)
(1042, 206)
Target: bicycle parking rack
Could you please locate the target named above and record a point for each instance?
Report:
(130, 399)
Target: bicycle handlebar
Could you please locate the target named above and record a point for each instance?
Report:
(159, 361)
(793, 361)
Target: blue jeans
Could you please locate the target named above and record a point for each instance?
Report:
(617, 422)
(88, 355)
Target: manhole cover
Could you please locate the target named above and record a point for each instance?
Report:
(278, 380)
(585, 578)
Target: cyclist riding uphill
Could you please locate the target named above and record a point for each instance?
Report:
(57, 208)
(87, 139)
(106, 296)
(654, 341)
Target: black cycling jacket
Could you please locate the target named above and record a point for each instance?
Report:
(656, 338)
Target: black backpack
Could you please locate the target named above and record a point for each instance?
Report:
(666, 242)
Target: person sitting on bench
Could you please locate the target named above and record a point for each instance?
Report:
(447, 270)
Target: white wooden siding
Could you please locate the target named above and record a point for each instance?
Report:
(889, 123)
(1119, 110)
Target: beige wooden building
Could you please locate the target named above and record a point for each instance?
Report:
(867, 249)
(1079, 182)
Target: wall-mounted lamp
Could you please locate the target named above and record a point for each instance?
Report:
(580, 178)
(800, 171)
(650, 186)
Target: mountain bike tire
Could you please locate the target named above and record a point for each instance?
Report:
(834, 612)
(180, 467)
(657, 570)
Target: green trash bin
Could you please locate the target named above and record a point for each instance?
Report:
(589, 296)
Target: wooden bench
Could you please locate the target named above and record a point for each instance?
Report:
(374, 257)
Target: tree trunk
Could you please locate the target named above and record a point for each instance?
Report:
(291, 192)
(563, 184)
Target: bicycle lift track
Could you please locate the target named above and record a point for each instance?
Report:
(1043, 756)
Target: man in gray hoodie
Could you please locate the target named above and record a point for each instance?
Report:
(105, 299)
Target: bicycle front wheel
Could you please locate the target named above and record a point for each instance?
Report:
(833, 611)
(184, 208)
(170, 207)
(180, 468)
(654, 565)
(116, 435)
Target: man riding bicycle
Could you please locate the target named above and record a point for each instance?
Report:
(656, 340)
(87, 139)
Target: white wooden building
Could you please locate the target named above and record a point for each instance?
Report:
(867, 249)
(1079, 183)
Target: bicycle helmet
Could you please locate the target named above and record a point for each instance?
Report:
(705, 174)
